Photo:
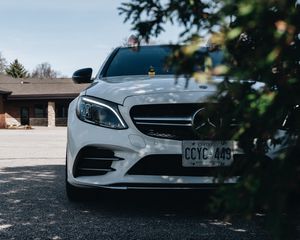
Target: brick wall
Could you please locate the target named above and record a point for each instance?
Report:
(12, 109)
(38, 121)
(61, 121)
(12, 112)
(2, 113)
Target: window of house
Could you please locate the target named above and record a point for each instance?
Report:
(61, 111)
(40, 111)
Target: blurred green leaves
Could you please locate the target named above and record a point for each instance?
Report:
(261, 42)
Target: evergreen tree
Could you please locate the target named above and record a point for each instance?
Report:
(16, 70)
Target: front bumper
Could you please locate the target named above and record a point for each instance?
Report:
(128, 147)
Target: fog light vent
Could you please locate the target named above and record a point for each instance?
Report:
(94, 161)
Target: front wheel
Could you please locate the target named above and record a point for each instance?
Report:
(73, 193)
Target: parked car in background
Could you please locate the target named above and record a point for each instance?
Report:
(134, 127)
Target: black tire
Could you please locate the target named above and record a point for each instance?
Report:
(74, 194)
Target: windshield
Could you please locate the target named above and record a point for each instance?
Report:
(132, 61)
(151, 59)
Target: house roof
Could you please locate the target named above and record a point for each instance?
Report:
(4, 91)
(33, 88)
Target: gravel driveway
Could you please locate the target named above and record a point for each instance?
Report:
(33, 204)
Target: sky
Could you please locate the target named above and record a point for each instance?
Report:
(68, 34)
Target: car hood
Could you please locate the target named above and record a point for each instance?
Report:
(117, 89)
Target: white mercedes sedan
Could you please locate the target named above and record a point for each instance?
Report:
(137, 127)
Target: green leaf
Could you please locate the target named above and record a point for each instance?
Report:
(245, 9)
(234, 33)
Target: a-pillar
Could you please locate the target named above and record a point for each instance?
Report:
(51, 114)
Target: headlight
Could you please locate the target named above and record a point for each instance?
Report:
(99, 112)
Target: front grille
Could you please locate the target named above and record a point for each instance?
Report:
(171, 165)
(175, 121)
(94, 161)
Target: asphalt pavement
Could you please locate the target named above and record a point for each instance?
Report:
(33, 203)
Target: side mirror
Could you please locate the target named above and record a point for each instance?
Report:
(83, 75)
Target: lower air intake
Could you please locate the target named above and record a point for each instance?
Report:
(171, 165)
(94, 161)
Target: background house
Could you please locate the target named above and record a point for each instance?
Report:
(36, 102)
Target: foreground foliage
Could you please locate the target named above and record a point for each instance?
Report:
(261, 41)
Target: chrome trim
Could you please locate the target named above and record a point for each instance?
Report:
(104, 158)
(165, 119)
(164, 124)
(98, 169)
(158, 188)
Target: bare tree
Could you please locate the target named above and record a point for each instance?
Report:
(3, 63)
(44, 70)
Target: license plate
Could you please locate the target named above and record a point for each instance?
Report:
(207, 153)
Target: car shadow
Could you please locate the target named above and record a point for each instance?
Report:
(33, 204)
